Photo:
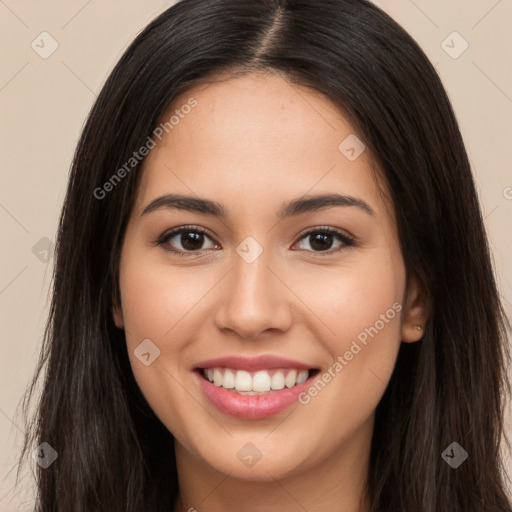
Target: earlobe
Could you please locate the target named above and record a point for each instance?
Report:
(117, 314)
(415, 314)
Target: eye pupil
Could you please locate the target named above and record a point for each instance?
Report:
(189, 238)
(320, 238)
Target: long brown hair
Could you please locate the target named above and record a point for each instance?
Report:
(114, 454)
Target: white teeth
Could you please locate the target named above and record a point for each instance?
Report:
(243, 381)
(277, 381)
(229, 379)
(217, 377)
(291, 379)
(259, 382)
(302, 376)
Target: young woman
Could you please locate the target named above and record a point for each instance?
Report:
(273, 287)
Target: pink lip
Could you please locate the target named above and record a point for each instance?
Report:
(254, 364)
(251, 407)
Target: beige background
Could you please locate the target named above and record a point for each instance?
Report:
(44, 103)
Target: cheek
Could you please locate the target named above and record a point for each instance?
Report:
(156, 299)
(360, 312)
(145, 310)
(152, 304)
(155, 305)
(348, 299)
(161, 303)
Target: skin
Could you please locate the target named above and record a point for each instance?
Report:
(253, 143)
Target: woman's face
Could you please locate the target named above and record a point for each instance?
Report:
(262, 295)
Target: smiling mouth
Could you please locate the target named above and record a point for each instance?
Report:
(262, 382)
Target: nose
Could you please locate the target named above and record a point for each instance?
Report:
(253, 299)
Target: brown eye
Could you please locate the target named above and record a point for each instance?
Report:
(185, 239)
(322, 240)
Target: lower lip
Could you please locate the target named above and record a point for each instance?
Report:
(251, 407)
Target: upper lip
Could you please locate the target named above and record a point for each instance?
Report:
(264, 362)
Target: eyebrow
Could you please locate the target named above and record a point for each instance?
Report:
(292, 208)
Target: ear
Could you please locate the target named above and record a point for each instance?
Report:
(117, 313)
(415, 313)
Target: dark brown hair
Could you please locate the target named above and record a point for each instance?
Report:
(114, 454)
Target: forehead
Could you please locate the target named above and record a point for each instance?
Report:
(252, 140)
(256, 108)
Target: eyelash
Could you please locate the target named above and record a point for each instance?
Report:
(165, 237)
